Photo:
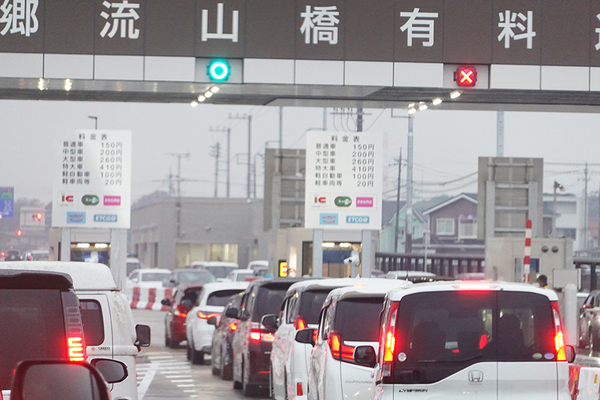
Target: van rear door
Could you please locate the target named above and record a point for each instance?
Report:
(527, 355)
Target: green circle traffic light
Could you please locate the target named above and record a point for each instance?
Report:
(218, 70)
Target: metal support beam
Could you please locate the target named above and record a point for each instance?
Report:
(317, 261)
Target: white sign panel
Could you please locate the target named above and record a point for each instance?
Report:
(93, 184)
(344, 173)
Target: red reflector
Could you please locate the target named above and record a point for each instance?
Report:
(75, 345)
(208, 316)
(299, 391)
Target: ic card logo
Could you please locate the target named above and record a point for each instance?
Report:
(364, 202)
(105, 218)
(75, 218)
(357, 219)
(343, 201)
(319, 201)
(328, 219)
(90, 200)
(112, 200)
(66, 200)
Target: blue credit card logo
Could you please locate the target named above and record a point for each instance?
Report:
(356, 219)
(75, 218)
(105, 218)
(328, 219)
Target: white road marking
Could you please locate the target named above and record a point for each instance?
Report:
(145, 384)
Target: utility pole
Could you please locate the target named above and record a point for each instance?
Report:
(216, 151)
(409, 187)
(178, 203)
(228, 157)
(359, 119)
(397, 230)
(585, 208)
(249, 177)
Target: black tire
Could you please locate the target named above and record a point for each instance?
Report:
(271, 389)
(197, 357)
(248, 389)
(189, 352)
(594, 342)
(173, 344)
(167, 340)
(285, 388)
(226, 370)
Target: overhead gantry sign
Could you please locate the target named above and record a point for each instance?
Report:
(286, 52)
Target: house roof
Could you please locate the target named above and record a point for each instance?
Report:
(472, 197)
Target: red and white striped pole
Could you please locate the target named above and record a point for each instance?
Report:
(527, 258)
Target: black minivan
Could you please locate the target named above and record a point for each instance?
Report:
(40, 319)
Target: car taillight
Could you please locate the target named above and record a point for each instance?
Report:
(339, 350)
(258, 335)
(389, 341)
(299, 391)
(75, 348)
(315, 336)
(299, 323)
(559, 339)
(207, 315)
(232, 326)
(180, 311)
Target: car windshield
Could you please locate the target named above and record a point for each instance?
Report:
(220, 271)
(196, 276)
(242, 276)
(268, 300)
(32, 328)
(154, 276)
(311, 302)
(357, 319)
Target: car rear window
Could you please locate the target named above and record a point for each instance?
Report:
(93, 324)
(268, 300)
(33, 327)
(357, 319)
(220, 271)
(154, 276)
(311, 302)
(220, 297)
(196, 277)
(441, 333)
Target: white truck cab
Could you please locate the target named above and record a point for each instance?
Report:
(109, 328)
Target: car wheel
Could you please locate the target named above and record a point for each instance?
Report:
(594, 342)
(189, 352)
(173, 344)
(226, 370)
(167, 340)
(271, 388)
(197, 357)
(248, 389)
(285, 386)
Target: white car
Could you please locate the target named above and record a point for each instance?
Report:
(258, 264)
(408, 274)
(147, 278)
(349, 319)
(301, 308)
(201, 320)
(492, 340)
(241, 275)
(220, 269)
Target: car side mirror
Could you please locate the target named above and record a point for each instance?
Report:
(232, 313)
(570, 353)
(112, 371)
(165, 302)
(142, 336)
(306, 336)
(365, 355)
(212, 321)
(270, 321)
(58, 379)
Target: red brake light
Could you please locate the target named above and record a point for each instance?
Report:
(474, 286)
(388, 340)
(255, 334)
(299, 391)
(315, 336)
(232, 326)
(208, 316)
(299, 323)
(75, 346)
(181, 311)
(559, 340)
(483, 340)
(335, 345)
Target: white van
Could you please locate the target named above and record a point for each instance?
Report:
(107, 319)
(485, 340)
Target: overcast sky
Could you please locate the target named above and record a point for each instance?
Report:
(446, 145)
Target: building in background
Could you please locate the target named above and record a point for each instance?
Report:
(569, 217)
(388, 231)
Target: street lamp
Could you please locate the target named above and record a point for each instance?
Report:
(562, 189)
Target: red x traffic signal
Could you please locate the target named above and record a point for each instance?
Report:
(466, 76)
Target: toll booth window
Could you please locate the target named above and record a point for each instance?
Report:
(93, 324)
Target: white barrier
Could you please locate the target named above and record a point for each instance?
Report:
(584, 382)
(148, 298)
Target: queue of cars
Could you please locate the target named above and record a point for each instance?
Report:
(377, 339)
